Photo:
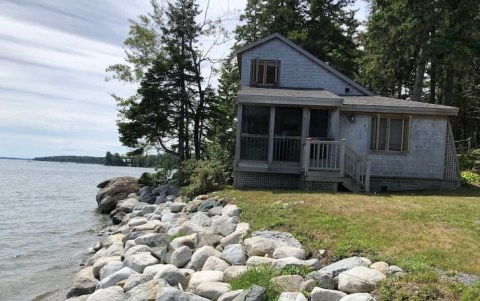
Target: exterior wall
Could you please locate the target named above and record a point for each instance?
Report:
(426, 155)
(296, 70)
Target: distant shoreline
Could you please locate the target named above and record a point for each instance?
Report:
(13, 158)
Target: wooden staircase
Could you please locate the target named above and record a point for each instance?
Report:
(334, 161)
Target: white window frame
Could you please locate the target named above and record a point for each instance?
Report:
(254, 76)
(405, 136)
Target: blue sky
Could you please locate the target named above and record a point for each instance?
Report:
(53, 55)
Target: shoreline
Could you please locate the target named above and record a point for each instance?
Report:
(170, 248)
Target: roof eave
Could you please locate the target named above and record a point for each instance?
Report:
(450, 111)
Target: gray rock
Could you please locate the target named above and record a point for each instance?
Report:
(79, 298)
(115, 249)
(215, 211)
(212, 290)
(254, 293)
(114, 190)
(313, 264)
(150, 225)
(137, 221)
(394, 270)
(346, 264)
(280, 239)
(176, 207)
(359, 280)
(145, 291)
(234, 254)
(133, 235)
(358, 297)
(203, 276)
(201, 255)
(380, 266)
(187, 240)
(227, 227)
(258, 246)
(126, 206)
(153, 239)
(321, 294)
(159, 252)
(259, 260)
(114, 293)
(83, 283)
(201, 219)
(169, 217)
(231, 210)
(160, 199)
(98, 265)
(109, 268)
(137, 249)
(117, 218)
(214, 264)
(113, 279)
(136, 279)
(171, 197)
(292, 297)
(283, 252)
(181, 256)
(288, 262)
(243, 226)
(139, 261)
(233, 271)
(173, 294)
(172, 275)
(208, 204)
(322, 279)
(308, 285)
(207, 239)
(229, 296)
(288, 283)
(235, 237)
(114, 238)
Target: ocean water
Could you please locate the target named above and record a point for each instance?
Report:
(47, 222)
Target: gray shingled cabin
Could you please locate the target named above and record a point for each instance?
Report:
(303, 124)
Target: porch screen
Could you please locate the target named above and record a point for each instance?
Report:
(390, 133)
(288, 134)
(254, 135)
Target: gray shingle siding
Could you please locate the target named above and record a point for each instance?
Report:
(425, 158)
(296, 70)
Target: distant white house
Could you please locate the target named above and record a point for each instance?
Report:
(303, 124)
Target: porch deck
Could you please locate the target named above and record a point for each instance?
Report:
(314, 162)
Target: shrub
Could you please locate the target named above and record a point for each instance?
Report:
(470, 177)
(466, 162)
(154, 179)
(200, 177)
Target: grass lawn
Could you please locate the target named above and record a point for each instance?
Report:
(416, 231)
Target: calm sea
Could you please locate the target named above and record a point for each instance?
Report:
(47, 223)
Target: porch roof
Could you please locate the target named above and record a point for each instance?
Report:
(301, 97)
(380, 104)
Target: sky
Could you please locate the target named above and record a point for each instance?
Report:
(54, 99)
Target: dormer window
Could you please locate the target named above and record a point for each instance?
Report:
(264, 72)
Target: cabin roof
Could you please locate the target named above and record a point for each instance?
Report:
(303, 97)
(305, 53)
(393, 105)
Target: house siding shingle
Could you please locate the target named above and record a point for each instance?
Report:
(423, 160)
(296, 70)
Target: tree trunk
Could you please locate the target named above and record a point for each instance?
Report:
(448, 86)
(433, 82)
(419, 75)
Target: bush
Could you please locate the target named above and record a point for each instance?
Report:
(200, 177)
(154, 179)
(466, 162)
(470, 178)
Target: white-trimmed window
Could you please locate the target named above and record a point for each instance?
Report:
(264, 72)
(390, 133)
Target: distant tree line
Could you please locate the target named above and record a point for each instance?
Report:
(161, 160)
(72, 159)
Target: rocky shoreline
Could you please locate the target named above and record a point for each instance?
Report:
(162, 247)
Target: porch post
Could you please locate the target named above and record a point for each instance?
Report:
(239, 134)
(334, 121)
(305, 124)
(271, 134)
(342, 157)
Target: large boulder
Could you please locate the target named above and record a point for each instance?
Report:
(359, 280)
(254, 293)
(113, 293)
(114, 190)
(321, 294)
(83, 283)
(279, 239)
(346, 264)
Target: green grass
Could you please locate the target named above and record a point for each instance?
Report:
(416, 231)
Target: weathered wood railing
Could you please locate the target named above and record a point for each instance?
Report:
(337, 156)
(323, 155)
(287, 148)
(254, 147)
(357, 169)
